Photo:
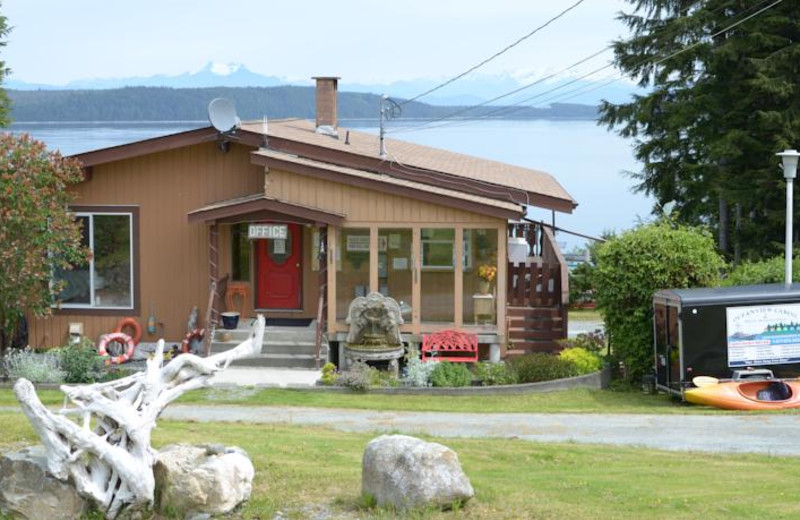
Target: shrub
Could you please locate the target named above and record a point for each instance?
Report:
(446, 373)
(585, 362)
(591, 341)
(493, 374)
(417, 373)
(631, 267)
(536, 367)
(81, 364)
(771, 270)
(356, 377)
(36, 367)
(329, 374)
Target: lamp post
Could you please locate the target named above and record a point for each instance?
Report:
(789, 159)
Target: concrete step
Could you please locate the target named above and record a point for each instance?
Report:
(280, 361)
(270, 347)
(276, 334)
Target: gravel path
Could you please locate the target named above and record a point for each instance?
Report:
(765, 434)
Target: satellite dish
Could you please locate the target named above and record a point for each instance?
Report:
(222, 115)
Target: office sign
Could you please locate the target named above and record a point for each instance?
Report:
(268, 231)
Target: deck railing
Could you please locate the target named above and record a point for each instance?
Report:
(537, 292)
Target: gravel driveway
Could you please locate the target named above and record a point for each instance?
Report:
(765, 434)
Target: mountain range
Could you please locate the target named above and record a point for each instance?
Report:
(471, 90)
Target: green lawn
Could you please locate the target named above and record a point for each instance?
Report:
(585, 315)
(569, 401)
(303, 471)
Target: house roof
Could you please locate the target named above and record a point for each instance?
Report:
(410, 156)
(422, 166)
(386, 183)
(259, 203)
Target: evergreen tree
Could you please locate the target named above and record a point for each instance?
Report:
(720, 103)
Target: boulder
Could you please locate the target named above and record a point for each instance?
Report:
(29, 491)
(201, 480)
(406, 473)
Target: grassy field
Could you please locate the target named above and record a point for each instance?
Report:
(568, 401)
(316, 473)
(585, 315)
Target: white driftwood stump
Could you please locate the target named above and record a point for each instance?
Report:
(108, 455)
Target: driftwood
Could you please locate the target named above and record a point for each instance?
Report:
(107, 452)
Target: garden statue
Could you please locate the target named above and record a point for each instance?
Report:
(374, 333)
(107, 452)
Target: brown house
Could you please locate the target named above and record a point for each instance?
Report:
(297, 223)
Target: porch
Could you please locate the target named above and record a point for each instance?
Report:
(305, 270)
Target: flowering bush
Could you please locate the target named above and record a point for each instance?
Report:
(487, 272)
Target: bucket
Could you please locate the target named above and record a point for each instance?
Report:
(230, 320)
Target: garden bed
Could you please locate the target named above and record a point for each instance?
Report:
(594, 381)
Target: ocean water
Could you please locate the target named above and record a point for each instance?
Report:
(586, 159)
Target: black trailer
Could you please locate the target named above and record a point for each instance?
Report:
(712, 332)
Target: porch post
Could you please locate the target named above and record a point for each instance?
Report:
(213, 271)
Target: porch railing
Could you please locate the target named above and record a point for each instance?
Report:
(537, 292)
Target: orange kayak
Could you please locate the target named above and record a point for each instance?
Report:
(747, 395)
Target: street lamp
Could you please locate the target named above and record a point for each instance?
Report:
(789, 159)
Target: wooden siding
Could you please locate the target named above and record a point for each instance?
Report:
(173, 254)
(362, 205)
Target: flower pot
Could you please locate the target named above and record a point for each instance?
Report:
(230, 320)
(484, 287)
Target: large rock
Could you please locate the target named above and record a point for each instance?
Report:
(406, 473)
(198, 480)
(27, 490)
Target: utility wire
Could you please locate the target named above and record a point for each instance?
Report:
(517, 90)
(585, 89)
(495, 55)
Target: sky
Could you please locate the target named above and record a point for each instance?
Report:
(56, 41)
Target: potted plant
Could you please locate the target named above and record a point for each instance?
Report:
(487, 274)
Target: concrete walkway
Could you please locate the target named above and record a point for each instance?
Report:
(765, 434)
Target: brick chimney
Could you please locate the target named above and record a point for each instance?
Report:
(327, 94)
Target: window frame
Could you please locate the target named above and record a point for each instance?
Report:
(89, 309)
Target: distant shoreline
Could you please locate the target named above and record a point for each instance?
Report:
(153, 105)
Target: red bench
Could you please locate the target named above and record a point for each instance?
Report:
(450, 345)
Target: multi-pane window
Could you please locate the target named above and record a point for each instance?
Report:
(106, 281)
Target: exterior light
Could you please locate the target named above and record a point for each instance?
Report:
(789, 160)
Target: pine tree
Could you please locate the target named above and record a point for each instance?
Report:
(719, 104)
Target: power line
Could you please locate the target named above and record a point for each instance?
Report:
(495, 55)
(517, 90)
(585, 89)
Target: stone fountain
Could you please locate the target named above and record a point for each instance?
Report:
(374, 333)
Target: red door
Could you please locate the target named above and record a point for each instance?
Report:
(280, 276)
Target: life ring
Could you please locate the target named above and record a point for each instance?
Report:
(132, 323)
(196, 334)
(116, 337)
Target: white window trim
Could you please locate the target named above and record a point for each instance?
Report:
(90, 305)
(466, 261)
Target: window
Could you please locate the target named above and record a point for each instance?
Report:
(352, 268)
(240, 253)
(106, 281)
(438, 249)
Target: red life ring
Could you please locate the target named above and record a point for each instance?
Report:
(132, 323)
(196, 334)
(116, 337)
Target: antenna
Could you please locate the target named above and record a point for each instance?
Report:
(389, 109)
(222, 115)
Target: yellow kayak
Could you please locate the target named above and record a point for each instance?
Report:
(747, 395)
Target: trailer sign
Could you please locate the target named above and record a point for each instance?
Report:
(763, 335)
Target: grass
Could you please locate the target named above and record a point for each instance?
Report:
(311, 472)
(567, 401)
(591, 315)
